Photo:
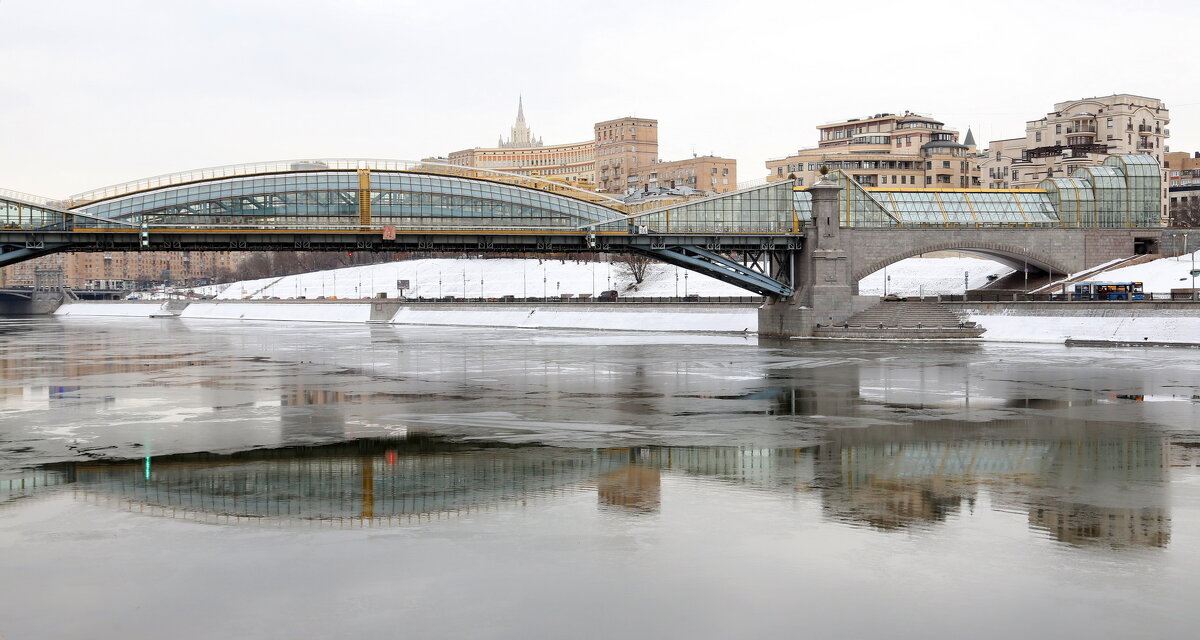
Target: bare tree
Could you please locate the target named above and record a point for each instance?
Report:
(635, 265)
(256, 266)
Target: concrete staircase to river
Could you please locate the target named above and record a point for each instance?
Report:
(903, 320)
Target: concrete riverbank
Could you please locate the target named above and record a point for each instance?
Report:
(739, 317)
(1047, 322)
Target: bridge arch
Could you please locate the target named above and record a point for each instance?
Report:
(1013, 256)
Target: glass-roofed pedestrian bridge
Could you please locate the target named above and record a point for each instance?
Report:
(397, 205)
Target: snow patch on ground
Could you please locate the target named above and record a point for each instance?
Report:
(526, 278)
(931, 276)
(1158, 276)
(478, 278)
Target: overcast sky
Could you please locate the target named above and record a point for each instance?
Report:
(103, 91)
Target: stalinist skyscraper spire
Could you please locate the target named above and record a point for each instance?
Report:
(521, 135)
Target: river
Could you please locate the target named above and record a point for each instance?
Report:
(198, 479)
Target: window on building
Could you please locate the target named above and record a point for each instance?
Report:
(943, 179)
(725, 171)
(1110, 124)
(945, 164)
(1016, 176)
(779, 171)
(1058, 129)
(714, 171)
(1037, 136)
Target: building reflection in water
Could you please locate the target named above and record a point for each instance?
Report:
(1104, 486)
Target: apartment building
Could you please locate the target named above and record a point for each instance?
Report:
(1078, 133)
(906, 150)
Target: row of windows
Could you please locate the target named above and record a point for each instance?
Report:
(321, 190)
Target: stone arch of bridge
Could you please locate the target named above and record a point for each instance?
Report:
(1013, 256)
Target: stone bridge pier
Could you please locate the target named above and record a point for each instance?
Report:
(834, 258)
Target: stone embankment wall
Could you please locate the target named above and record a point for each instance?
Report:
(693, 316)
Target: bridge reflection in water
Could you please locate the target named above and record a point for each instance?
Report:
(1106, 486)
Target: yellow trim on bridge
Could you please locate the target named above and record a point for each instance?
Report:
(494, 232)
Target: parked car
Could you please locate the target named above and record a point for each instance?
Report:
(891, 297)
(692, 297)
(608, 296)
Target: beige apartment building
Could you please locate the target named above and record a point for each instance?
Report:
(1183, 172)
(1078, 133)
(704, 173)
(906, 150)
(617, 159)
(118, 270)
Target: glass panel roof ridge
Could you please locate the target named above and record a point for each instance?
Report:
(311, 182)
(310, 165)
(853, 189)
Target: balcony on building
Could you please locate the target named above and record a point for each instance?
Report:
(943, 147)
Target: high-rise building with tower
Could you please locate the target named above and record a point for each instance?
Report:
(622, 156)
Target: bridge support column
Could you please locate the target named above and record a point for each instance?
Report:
(824, 289)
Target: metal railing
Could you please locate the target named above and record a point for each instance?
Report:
(981, 296)
(574, 299)
(903, 327)
(27, 198)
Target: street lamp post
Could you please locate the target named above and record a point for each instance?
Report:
(1192, 293)
(1185, 248)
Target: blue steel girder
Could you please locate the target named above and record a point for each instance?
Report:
(12, 254)
(722, 268)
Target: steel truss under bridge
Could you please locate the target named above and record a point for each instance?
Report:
(751, 276)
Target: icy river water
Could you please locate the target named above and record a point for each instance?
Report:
(193, 479)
